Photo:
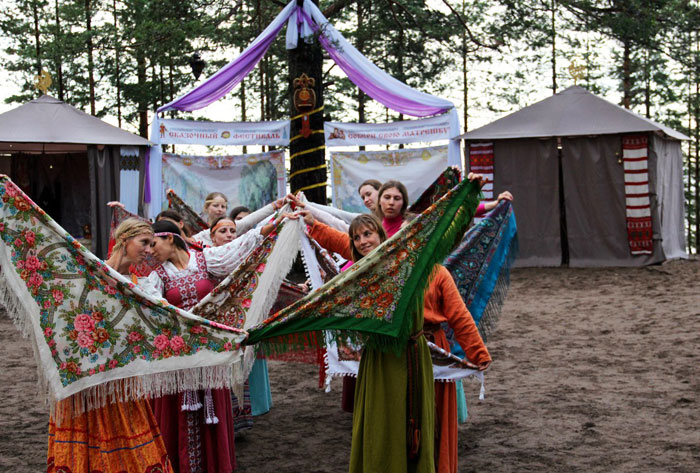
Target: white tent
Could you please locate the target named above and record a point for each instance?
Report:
(69, 162)
(562, 160)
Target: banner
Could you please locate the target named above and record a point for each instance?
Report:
(408, 131)
(416, 168)
(223, 133)
(253, 180)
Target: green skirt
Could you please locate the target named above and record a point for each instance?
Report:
(379, 427)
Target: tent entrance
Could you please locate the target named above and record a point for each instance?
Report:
(563, 233)
(59, 184)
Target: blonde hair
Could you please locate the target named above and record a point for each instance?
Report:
(130, 228)
(210, 198)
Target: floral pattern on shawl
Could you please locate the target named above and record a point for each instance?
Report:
(95, 325)
(380, 293)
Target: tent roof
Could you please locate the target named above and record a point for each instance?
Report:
(572, 112)
(49, 123)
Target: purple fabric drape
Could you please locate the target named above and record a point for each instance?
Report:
(368, 77)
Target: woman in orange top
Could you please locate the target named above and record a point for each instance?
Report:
(120, 436)
(442, 304)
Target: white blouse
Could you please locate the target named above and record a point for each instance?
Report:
(221, 261)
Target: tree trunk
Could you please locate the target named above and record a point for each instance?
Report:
(626, 76)
(465, 85)
(37, 36)
(308, 155)
(91, 61)
(647, 85)
(117, 61)
(554, 49)
(142, 80)
(59, 56)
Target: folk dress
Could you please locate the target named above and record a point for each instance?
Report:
(193, 444)
(118, 437)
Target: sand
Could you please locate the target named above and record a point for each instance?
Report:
(595, 370)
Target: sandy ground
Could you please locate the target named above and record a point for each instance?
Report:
(595, 370)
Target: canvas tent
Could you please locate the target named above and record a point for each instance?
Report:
(562, 159)
(69, 163)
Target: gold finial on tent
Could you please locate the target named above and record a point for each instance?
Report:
(42, 81)
(576, 70)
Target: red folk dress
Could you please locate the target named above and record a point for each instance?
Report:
(193, 445)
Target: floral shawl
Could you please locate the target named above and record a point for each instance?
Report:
(95, 333)
(374, 301)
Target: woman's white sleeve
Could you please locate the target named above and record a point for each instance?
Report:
(203, 237)
(330, 220)
(152, 285)
(222, 260)
(250, 221)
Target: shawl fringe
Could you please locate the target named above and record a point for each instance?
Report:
(142, 387)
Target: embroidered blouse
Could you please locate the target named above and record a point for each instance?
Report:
(220, 261)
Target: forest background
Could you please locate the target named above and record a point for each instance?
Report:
(122, 59)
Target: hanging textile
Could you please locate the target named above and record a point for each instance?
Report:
(193, 222)
(129, 167)
(92, 327)
(416, 168)
(481, 162)
(635, 158)
(375, 301)
(252, 180)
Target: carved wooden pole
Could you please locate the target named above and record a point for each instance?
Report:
(307, 171)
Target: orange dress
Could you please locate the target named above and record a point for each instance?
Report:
(119, 437)
(442, 304)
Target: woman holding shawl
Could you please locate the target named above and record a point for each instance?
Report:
(121, 436)
(442, 303)
(197, 426)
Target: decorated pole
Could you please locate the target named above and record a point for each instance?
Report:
(307, 149)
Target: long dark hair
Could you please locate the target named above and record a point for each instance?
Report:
(388, 185)
(166, 226)
(364, 220)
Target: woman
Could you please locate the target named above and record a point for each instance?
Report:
(442, 303)
(176, 218)
(243, 224)
(369, 191)
(239, 212)
(223, 231)
(123, 436)
(197, 426)
(391, 207)
(215, 205)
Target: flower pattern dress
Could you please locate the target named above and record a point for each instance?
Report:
(198, 427)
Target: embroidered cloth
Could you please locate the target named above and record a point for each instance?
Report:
(635, 158)
(481, 162)
(91, 326)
